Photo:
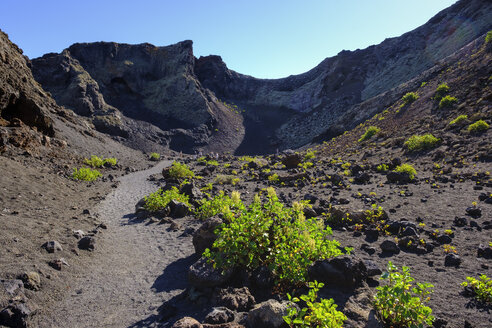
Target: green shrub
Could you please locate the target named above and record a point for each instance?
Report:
(220, 204)
(96, 161)
(417, 142)
(160, 199)
(441, 91)
(409, 98)
(382, 168)
(111, 161)
(408, 169)
(226, 179)
(311, 154)
(488, 37)
(399, 304)
(274, 178)
(180, 170)
(370, 131)
(155, 156)
(478, 126)
(269, 234)
(447, 101)
(85, 174)
(460, 119)
(481, 288)
(317, 314)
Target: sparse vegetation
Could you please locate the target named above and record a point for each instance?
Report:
(488, 37)
(418, 143)
(441, 91)
(478, 126)
(409, 98)
(160, 199)
(226, 179)
(323, 313)
(447, 101)
(408, 169)
(460, 119)
(481, 288)
(155, 156)
(85, 174)
(180, 171)
(370, 131)
(97, 162)
(399, 304)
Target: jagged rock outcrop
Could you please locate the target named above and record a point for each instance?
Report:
(106, 81)
(21, 97)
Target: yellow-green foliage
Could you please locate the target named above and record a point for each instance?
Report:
(409, 98)
(417, 142)
(317, 314)
(155, 156)
(226, 179)
(447, 101)
(96, 161)
(488, 37)
(478, 126)
(408, 169)
(460, 119)
(370, 131)
(160, 199)
(441, 91)
(482, 288)
(382, 168)
(310, 155)
(180, 170)
(85, 174)
(220, 204)
(270, 234)
(273, 178)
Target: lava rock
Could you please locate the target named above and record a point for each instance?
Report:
(219, 315)
(205, 236)
(31, 280)
(87, 243)
(444, 239)
(474, 212)
(236, 299)
(15, 315)
(268, 314)
(202, 274)
(178, 209)
(484, 251)
(372, 268)
(452, 260)
(460, 222)
(398, 177)
(52, 246)
(187, 322)
(345, 271)
(291, 160)
(389, 246)
(13, 286)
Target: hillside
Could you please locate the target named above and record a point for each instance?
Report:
(190, 101)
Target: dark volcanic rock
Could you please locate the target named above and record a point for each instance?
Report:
(204, 237)
(341, 271)
(202, 274)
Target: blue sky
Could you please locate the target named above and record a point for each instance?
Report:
(267, 39)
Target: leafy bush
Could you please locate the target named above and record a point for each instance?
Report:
(441, 91)
(460, 119)
(409, 98)
(226, 179)
(447, 101)
(478, 126)
(85, 174)
(220, 204)
(370, 131)
(408, 169)
(382, 168)
(401, 305)
(317, 314)
(160, 199)
(481, 288)
(96, 161)
(417, 143)
(274, 178)
(488, 37)
(311, 154)
(155, 156)
(180, 170)
(269, 234)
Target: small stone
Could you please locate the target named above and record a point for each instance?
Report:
(444, 239)
(32, 280)
(87, 243)
(474, 212)
(268, 314)
(78, 234)
(219, 315)
(52, 246)
(187, 322)
(389, 246)
(13, 286)
(372, 268)
(452, 260)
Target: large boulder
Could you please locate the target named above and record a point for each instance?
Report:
(268, 314)
(347, 271)
(202, 274)
(205, 236)
(236, 299)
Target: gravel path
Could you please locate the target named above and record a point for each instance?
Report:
(136, 266)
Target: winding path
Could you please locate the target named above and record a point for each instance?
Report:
(138, 266)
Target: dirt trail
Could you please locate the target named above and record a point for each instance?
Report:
(135, 266)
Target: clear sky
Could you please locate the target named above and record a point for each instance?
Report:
(262, 38)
